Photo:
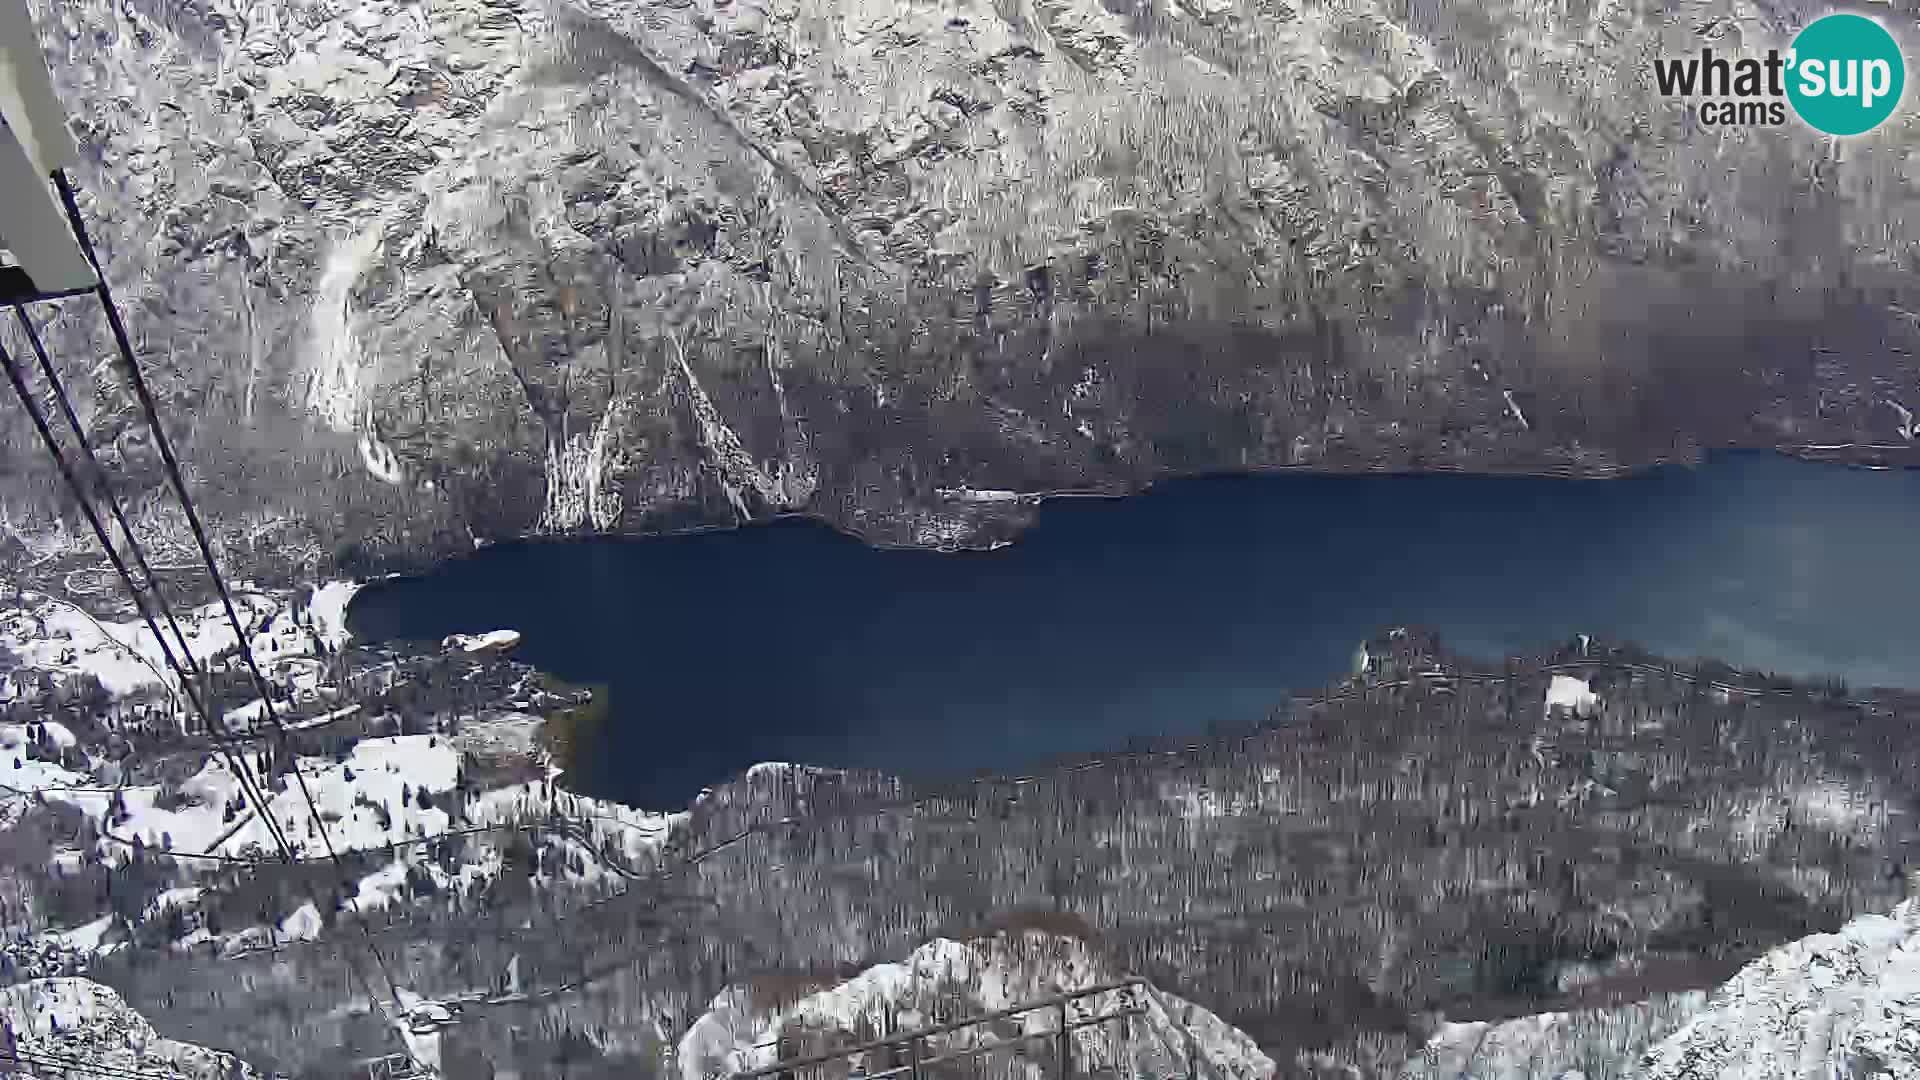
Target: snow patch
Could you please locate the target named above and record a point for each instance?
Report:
(303, 924)
(419, 1026)
(381, 462)
(87, 938)
(947, 980)
(635, 835)
(1513, 408)
(334, 368)
(980, 495)
(181, 898)
(473, 643)
(380, 781)
(1572, 693)
(328, 611)
(1840, 1004)
(1908, 429)
(20, 774)
(247, 716)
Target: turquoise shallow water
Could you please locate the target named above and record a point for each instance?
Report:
(1201, 601)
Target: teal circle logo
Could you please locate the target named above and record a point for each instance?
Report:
(1845, 74)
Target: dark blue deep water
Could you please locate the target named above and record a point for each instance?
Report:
(1203, 600)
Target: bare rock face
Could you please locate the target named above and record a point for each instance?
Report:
(411, 272)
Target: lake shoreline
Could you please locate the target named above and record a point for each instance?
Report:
(1203, 601)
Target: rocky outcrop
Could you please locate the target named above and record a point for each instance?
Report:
(1841, 1004)
(1591, 1044)
(945, 982)
(416, 275)
(1845, 1004)
(60, 1026)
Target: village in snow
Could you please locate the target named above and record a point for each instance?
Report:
(103, 758)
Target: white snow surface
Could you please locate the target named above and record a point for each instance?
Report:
(981, 495)
(56, 636)
(1573, 693)
(328, 611)
(302, 925)
(423, 1046)
(492, 639)
(247, 716)
(1845, 1004)
(384, 771)
(182, 898)
(87, 938)
(740, 1030)
(637, 835)
(19, 773)
(74, 1018)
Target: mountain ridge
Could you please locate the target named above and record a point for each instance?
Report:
(516, 268)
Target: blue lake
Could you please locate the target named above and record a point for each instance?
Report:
(1201, 601)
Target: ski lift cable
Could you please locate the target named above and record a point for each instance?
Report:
(255, 788)
(58, 257)
(113, 502)
(131, 366)
(248, 783)
(74, 485)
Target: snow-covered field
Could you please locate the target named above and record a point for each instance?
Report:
(370, 800)
(392, 794)
(55, 636)
(20, 773)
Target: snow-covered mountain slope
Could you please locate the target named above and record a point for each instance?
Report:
(945, 981)
(508, 265)
(75, 1027)
(1845, 1004)
(1595, 1044)
(1840, 1005)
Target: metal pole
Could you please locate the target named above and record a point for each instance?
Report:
(1066, 1047)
